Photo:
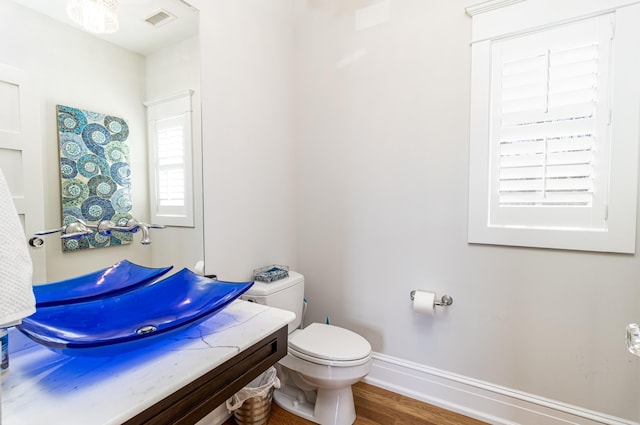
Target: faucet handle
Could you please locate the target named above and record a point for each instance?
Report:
(134, 226)
(75, 230)
(105, 227)
(49, 232)
(155, 226)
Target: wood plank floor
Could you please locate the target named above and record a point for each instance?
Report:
(376, 406)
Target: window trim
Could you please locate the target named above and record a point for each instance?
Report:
(171, 107)
(498, 23)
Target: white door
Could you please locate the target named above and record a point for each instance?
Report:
(21, 158)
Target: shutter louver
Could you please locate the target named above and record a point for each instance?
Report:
(170, 151)
(547, 132)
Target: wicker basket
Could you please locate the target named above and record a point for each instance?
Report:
(254, 410)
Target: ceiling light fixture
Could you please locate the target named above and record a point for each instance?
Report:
(97, 16)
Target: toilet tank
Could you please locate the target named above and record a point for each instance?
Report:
(286, 294)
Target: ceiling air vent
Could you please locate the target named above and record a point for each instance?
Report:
(160, 17)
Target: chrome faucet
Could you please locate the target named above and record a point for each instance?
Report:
(74, 230)
(132, 226)
(79, 229)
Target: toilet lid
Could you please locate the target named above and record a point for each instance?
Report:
(327, 342)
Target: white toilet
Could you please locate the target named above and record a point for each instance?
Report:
(322, 363)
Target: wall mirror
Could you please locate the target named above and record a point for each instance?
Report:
(163, 36)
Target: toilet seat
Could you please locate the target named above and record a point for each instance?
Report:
(329, 345)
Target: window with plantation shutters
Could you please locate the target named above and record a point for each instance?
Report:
(554, 125)
(170, 155)
(547, 135)
(550, 126)
(170, 170)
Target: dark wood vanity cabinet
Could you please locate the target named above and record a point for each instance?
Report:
(197, 399)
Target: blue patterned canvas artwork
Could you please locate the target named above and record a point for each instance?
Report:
(95, 173)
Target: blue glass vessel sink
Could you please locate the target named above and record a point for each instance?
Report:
(108, 282)
(139, 315)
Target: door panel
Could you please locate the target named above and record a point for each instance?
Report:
(21, 157)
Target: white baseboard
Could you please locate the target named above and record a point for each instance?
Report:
(477, 399)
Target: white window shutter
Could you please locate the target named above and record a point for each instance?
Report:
(555, 125)
(549, 127)
(170, 169)
(170, 165)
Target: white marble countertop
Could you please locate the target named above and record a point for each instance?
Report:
(44, 387)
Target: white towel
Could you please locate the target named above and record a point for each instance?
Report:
(16, 271)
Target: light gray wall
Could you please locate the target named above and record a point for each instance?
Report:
(75, 69)
(382, 131)
(247, 129)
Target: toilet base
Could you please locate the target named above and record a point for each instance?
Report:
(330, 407)
(293, 404)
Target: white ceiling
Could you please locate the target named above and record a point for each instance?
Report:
(134, 34)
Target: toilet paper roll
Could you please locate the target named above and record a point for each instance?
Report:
(424, 302)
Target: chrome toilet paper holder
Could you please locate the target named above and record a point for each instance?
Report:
(444, 301)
